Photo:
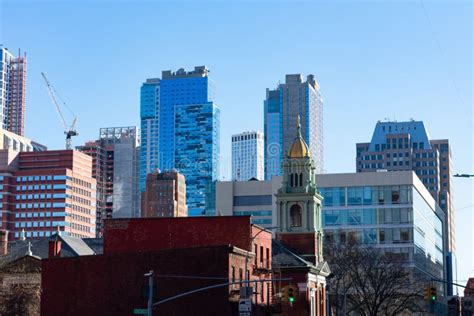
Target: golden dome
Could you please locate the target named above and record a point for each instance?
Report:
(299, 148)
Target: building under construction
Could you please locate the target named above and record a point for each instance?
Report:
(116, 169)
(12, 91)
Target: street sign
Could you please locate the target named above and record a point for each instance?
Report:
(245, 305)
(140, 311)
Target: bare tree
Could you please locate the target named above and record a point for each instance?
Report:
(21, 300)
(369, 283)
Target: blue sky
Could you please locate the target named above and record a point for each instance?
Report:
(373, 60)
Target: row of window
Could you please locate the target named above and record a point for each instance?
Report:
(345, 217)
(368, 195)
(36, 234)
(40, 214)
(42, 178)
(253, 213)
(370, 236)
(41, 205)
(42, 196)
(41, 224)
(42, 187)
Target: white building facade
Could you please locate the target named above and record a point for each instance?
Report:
(247, 156)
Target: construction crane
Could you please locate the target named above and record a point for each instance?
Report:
(69, 131)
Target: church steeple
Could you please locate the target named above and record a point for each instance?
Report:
(299, 203)
(299, 148)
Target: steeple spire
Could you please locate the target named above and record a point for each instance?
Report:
(299, 148)
(298, 127)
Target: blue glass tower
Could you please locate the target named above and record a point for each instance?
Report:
(149, 114)
(182, 132)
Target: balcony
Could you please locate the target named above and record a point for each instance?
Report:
(262, 266)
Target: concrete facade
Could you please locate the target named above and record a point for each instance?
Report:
(253, 198)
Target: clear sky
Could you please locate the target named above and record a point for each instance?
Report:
(373, 60)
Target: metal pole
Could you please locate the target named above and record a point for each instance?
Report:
(150, 292)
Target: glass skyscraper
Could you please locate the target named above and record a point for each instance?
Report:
(281, 109)
(181, 130)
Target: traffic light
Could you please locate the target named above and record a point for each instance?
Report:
(291, 295)
(433, 294)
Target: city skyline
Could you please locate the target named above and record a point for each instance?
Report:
(416, 69)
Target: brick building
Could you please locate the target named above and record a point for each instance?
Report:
(185, 253)
(165, 195)
(41, 191)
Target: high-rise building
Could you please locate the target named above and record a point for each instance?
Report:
(12, 91)
(150, 128)
(116, 168)
(181, 130)
(165, 195)
(281, 108)
(46, 191)
(407, 146)
(247, 156)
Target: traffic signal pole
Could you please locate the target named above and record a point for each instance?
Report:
(213, 287)
(150, 292)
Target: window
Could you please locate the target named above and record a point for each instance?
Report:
(295, 216)
(256, 254)
(233, 274)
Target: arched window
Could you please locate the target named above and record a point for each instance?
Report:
(301, 179)
(292, 180)
(295, 215)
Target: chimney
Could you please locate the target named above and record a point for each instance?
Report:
(3, 242)
(54, 248)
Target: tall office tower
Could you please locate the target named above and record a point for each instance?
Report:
(281, 108)
(46, 191)
(165, 195)
(181, 126)
(150, 133)
(247, 156)
(12, 91)
(116, 168)
(407, 146)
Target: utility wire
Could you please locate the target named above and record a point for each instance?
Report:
(441, 51)
(189, 277)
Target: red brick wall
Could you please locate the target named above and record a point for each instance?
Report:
(152, 234)
(112, 284)
(302, 244)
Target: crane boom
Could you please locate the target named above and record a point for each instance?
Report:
(69, 131)
(55, 101)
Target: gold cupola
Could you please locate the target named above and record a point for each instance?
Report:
(299, 148)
